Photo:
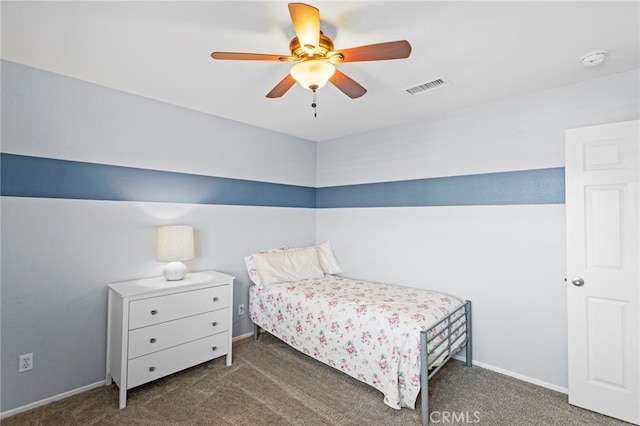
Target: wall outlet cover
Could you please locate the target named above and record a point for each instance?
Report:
(26, 362)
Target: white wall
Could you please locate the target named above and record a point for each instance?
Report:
(509, 259)
(53, 116)
(59, 254)
(520, 133)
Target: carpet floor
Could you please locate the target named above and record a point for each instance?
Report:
(271, 384)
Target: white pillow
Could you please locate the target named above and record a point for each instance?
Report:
(327, 258)
(289, 265)
(251, 268)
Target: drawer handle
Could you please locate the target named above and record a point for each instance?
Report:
(152, 369)
(215, 348)
(214, 323)
(215, 299)
(153, 312)
(152, 340)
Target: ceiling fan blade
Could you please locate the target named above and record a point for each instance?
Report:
(248, 56)
(306, 23)
(347, 85)
(377, 52)
(282, 87)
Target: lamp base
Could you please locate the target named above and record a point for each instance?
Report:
(174, 271)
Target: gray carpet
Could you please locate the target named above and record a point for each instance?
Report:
(272, 384)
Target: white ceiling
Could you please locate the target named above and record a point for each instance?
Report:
(160, 50)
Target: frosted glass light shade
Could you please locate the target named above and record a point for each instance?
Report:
(312, 74)
(175, 243)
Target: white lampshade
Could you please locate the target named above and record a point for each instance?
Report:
(175, 243)
(312, 74)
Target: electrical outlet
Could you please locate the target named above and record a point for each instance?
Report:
(26, 363)
(241, 309)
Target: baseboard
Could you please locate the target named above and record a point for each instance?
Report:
(516, 375)
(49, 400)
(242, 337)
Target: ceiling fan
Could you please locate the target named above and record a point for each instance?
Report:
(315, 58)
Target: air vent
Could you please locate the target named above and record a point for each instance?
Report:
(428, 86)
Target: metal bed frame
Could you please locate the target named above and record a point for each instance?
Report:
(445, 347)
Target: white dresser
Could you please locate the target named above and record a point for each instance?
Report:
(157, 327)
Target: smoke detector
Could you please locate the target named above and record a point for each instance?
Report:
(594, 58)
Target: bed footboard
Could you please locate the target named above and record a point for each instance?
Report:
(444, 347)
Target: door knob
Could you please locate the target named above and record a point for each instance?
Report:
(577, 281)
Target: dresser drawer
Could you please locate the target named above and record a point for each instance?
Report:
(157, 337)
(160, 309)
(159, 364)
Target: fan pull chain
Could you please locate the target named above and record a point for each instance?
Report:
(314, 104)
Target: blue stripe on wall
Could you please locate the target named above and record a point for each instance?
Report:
(24, 176)
(541, 186)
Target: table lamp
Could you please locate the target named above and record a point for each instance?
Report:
(175, 244)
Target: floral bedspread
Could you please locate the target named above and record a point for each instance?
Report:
(368, 330)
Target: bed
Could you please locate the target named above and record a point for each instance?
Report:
(371, 331)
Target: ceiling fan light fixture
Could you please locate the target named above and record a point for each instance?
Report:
(312, 74)
(315, 56)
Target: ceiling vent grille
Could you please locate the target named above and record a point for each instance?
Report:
(428, 86)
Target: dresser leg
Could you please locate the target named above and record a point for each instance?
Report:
(123, 398)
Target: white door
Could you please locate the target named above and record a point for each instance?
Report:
(602, 198)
